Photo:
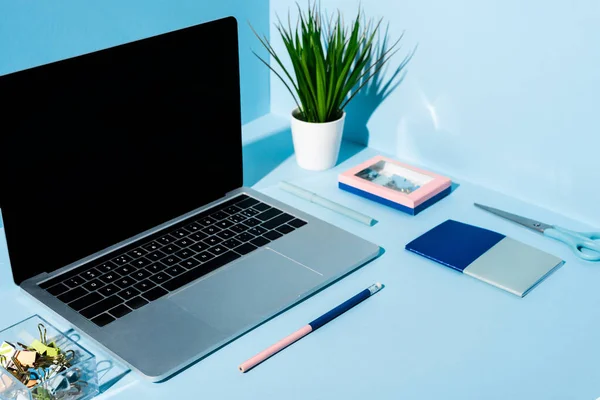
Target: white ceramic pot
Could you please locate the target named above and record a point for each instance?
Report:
(317, 145)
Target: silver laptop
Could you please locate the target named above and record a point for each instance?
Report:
(124, 212)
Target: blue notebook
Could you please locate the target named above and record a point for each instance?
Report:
(486, 255)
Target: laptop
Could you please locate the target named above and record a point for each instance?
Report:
(121, 191)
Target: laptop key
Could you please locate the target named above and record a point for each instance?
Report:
(110, 277)
(224, 224)
(252, 222)
(211, 230)
(258, 230)
(217, 250)
(213, 240)
(156, 255)
(74, 281)
(239, 198)
(267, 215)
(197, 236)
(193, 227)
(272, 235)
(171, 260)
(101, 306)
(231, 243)
(219, 215)
(170, 249)
(103, 320)
(204, 256)
(189, 263)
(137, 253)
(91, 274)
(136, 303)
(154, 294)
(57, 289)
(297, 223)
(179, 233)
(260, 241)
(94, 284)
(144, 285)
(236, 219)
(249, 202)
(198, 247)
(185, 242)
(226, 234)
(128, 294)
(119, 311)
(124, 282)
(207, 221)
(199, 271)
(261, 207)
(125, 270)
(239, 228)
(72, 294)
(141, 262)
(141, 274)
(156, 267)
(245, 248)
(166, 239)
(85, 301)
(175, 270)
(152, 246)
(106, 267)
(232, 209)
(284, 229)
(251, 212)
(108, 290)
(122, 260)
(244, 237)
(275, 222)
(160, 278)
(185, 253)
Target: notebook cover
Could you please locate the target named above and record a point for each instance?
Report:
(397, 206)
(486, 255)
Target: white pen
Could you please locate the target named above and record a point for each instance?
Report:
(315, 198)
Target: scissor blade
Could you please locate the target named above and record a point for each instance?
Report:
(526, 222)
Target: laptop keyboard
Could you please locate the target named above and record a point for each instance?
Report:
(131, 277)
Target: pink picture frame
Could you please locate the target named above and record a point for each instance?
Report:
(434, 186)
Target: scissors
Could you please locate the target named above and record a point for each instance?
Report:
(585, 245)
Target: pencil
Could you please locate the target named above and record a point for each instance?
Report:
(311, 327)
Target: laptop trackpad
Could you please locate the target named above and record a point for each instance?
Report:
(248, 291)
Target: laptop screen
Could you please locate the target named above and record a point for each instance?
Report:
(101, 147)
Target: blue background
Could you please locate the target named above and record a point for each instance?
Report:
(503, 93)
(500, 93)
(432, 333)
(501, 97)
(38, 32)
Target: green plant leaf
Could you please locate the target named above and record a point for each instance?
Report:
(330, 61)
(273, 54)
(280, 77)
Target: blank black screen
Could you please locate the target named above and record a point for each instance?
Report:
(100, 147)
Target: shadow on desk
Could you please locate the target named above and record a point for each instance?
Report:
(349, 149)
(109, 371)
(264, 155)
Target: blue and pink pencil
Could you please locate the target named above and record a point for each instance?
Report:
(311, 327)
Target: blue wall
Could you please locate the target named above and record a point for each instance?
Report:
(37, 32)
(503, 93)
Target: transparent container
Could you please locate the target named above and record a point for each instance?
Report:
(78, 381)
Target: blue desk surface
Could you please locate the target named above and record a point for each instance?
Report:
(431, 333)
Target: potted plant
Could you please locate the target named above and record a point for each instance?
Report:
(330, 64)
